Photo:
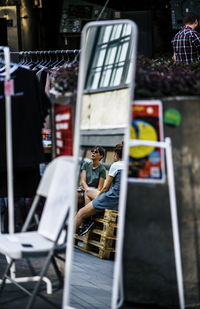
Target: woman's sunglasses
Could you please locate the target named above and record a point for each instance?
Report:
(94, 151)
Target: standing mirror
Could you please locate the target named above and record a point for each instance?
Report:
(106, 79)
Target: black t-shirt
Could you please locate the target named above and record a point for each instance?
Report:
(28, 113)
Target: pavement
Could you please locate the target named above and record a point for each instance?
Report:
(91, 284)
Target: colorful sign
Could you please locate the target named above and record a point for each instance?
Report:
(63, 130)
(46, 138)
(146, 163)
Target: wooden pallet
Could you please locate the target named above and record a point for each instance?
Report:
(105, 228)
(94, 248)
(101, 240)
(109, 215)
(98, 239)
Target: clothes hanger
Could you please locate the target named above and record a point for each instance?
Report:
(42, 60)
(57, 59)
(46, 59)
(50, 60)
(62, 61)
(76, 56)
(23, 59)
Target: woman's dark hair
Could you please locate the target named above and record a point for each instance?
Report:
(119, 150)
(100, 149)
(190, 18)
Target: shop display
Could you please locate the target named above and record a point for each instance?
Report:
(146, 163)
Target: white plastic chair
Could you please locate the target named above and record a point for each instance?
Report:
(57, 186)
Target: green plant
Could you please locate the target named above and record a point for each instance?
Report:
(163, 78)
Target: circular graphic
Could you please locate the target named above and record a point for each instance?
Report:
(144, 131)
(154, 157)
(150, 110)
(172, 117)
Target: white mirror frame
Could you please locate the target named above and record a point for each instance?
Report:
(123, 191)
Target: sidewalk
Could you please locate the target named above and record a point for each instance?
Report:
(91, 282)
(91, 285)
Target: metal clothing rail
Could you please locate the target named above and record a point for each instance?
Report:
(8, 92)
(9, 89)
(58, 51)
(44, 56)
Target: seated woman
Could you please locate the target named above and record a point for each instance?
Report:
(108, 196)
(93, 175)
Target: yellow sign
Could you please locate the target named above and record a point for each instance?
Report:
(144, 131)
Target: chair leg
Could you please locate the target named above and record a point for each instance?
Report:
(37, 286)
(57, 271)
(8, 267)
(32, 270)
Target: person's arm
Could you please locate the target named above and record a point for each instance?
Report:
(107, 185)
(83, 180)
(102, 177)
(101, 183)
(174, 57)
(196, 40)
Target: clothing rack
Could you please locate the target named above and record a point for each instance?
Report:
(44, 56)
(37, 52)
(6, 54)
(47, 59)
(9, 92)
(48, 51)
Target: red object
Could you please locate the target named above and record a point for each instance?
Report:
(63, 130)
(9, 87)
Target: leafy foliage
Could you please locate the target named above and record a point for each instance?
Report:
(163, 78)
(64, 80)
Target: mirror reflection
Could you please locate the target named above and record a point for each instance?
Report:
(107, 57)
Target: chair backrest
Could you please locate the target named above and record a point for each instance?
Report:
(47, 178)
(61, 188)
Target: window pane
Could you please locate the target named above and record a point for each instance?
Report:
(117, 75)
(111, 55)
(106, 34)
(95, 81)
(105, 78)
(116, 32)
(123, 52)
(126, 30)
(101, 56)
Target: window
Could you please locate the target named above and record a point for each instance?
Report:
(109, 66)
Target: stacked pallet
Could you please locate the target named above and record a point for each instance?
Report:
(101, 240)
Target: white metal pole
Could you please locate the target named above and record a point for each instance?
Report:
(174, 218)
(9, 144)
(70, 245)
(118, 287)
(76, 143)
(9, 151)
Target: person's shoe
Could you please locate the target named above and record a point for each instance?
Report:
(86, 228)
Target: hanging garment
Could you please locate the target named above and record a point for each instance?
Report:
(29, 109)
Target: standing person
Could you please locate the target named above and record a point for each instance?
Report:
(186, 43)
(93, 175)
(108, 196)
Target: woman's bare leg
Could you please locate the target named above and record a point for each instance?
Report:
(83, 213)
(87, 199)
(90, 195)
